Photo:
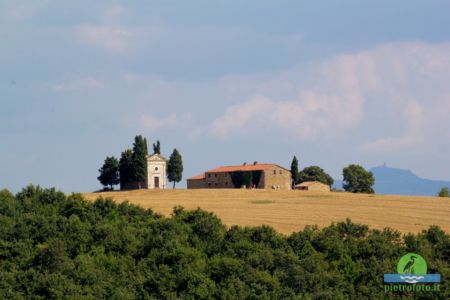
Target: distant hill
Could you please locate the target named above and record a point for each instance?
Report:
(402, 182)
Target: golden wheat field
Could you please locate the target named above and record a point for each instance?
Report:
(289, 211)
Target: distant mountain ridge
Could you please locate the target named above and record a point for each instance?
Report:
(402, 182)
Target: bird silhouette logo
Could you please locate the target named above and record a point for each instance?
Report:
(412, 269)
(412, 263)
(409, 268)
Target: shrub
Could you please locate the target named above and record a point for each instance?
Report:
(444, 192)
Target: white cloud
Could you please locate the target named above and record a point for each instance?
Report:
(304, 118)
(113, 38)
(330, 106)
(404, 83)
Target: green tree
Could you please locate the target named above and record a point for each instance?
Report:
(157, 147)
(358, 180)
(294, 171)
(109, 172)
(444, 192)
(146, 146)
(126, 168)
(139, 160)
(315, 173)
(175, 167)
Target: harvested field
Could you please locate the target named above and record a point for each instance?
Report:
(289, 211)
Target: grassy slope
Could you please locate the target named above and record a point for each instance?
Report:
(289, 211)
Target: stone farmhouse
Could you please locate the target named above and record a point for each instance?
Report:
(261, 176)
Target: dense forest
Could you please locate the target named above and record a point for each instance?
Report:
(54, 246)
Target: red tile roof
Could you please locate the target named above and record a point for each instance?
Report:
(197, 177)
(249, 167)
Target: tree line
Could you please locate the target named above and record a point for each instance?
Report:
(356, 178)
(131, 169)
(54, 246)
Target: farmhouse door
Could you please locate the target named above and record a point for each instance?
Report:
(156, 182)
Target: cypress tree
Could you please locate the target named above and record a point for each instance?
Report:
(157, 147)
(294, 171)
(126, 168)
(175, 167)
(145, 143)
(139, 160)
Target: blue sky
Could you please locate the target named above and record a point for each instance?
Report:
(333, 82)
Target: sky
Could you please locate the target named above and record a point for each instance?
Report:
(224, 82)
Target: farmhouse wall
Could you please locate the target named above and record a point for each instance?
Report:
(219, 180)
(196, 183)
(272, 176)
(313, 186)
(277, 177)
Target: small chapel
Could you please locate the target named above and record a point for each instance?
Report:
(156, 171)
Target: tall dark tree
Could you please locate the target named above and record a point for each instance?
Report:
(315, 173)
(175, 167)
(358, 180)
(157, 147)
(146, 146)
(126, 168)
(139, 160)
(294, 171)
(109, 172)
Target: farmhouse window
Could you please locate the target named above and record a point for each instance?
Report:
(274, 172)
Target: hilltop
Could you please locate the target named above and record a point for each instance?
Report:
(289, 211)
